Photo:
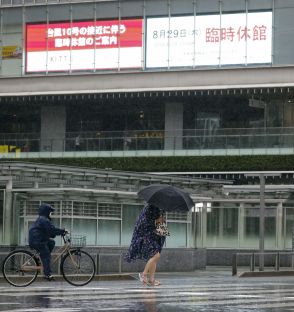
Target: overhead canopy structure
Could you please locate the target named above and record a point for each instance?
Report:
(39, 180)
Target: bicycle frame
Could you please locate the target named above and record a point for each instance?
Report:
(21, 267)
(66, 248)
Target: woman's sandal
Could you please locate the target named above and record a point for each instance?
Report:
(143, 278)
(154, 283)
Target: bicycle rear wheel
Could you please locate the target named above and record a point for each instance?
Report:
(77, 267)
(20, 268)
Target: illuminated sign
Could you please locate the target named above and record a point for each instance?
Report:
(84, 45)
(209, 40)
(11, 52)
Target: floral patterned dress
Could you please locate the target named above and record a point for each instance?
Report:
(145, 243)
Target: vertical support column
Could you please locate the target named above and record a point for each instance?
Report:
(221, 225)
(53, 120)
(241, 225)
(279, 226)
(8, 214)
(173, 126)
(194, 227)
(261, 222)
(204, 225)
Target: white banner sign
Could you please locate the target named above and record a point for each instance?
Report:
(209, 40)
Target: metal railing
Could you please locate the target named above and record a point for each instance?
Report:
(271, 262)
(222, 139)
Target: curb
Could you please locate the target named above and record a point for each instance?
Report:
(100, 277)
(266, 274)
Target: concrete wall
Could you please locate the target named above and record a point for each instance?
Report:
(110, 260)
(150, 81)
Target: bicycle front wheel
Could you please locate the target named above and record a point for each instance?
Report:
(20, 268)
(77, 267)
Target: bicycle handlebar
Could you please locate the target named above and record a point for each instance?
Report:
(65, 237)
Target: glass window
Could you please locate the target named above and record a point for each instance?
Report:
(154, 7)
(204, 6)
(66, 223)
(59, 13)
(129, 218)
(23, 231)
(1, 214)
(181, 7)
(178, 235)
(251, 228)
(106, 10)
(131, 8)
(222, 226)
(283, 45)
(289, 216)
(250, 233)
(270, 227)
(86, 227)
(108, 233)
(230, 6)
(12, 42)
(265, 4)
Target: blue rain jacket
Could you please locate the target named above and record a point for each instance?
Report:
(43, 229)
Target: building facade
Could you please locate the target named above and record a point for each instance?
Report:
(150, 77)
(171, 77)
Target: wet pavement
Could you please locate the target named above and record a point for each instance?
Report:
(213, 291)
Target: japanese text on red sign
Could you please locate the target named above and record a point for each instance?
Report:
(106, 35)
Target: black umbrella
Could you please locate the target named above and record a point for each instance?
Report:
(166, 197)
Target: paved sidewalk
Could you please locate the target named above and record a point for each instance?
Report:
(213, 290)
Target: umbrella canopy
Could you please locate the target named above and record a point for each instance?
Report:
(166, 197)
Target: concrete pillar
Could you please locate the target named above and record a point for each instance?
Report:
(261, 221)
(53, 125)
(8, 214)
(279, 227)
(204, 225)
(173, 126)
(241, 226)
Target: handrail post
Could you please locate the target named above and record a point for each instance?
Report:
(277, 266)
(234, 264)
(252, 262)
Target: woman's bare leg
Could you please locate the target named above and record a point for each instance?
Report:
(150, 266)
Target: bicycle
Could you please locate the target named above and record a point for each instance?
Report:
(21, 267)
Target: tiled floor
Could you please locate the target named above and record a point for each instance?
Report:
(213, 291)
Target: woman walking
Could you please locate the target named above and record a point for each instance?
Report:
(146, 244)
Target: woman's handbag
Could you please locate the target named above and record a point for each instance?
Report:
(161, 229)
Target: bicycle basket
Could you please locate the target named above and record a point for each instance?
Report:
(78, 240)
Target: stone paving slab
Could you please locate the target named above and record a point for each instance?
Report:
(201, 291)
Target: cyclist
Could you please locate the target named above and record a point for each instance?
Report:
(40, 237)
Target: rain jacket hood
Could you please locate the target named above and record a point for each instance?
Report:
(45, 209)
(43, 229)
